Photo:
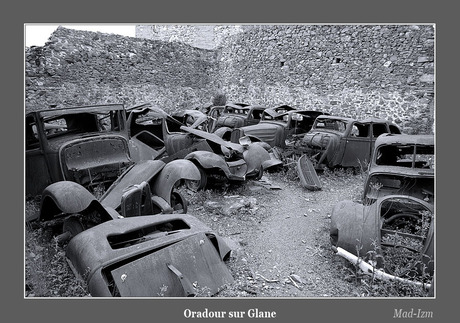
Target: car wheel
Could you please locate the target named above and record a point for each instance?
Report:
(178, 203)
(260, 173)
(70, 228)
(199, 184)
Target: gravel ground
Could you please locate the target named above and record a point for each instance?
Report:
(280, 235)
(278, 230)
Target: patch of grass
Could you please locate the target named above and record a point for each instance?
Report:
(47, 273)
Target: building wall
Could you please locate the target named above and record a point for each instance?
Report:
(359, 71)
(83, 68)
(351, 70)
(200, 36)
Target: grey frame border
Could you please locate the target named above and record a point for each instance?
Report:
(208, 11)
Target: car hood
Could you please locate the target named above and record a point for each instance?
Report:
(231, 120)
(264, 131)
(317, 138)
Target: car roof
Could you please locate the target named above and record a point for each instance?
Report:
(404, 139)
(348, 119)
(82, 109)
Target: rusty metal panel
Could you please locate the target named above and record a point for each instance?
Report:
(86, 161)
(141, 248)
(195, 258)
(357, 151)
(307, 174)
(143, 171)
(266, 131)
(213, 138)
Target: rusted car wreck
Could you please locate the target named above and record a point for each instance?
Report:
(145, 188)
(277, 125)
(159, 136)
(335, 141)
(87, 145)
(234, 162)
(150, 256)
(396, 219)
(401, 164)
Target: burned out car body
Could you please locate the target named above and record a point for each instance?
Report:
(157, 135)
(218, 158)
(214, 156)
(277, 124)
(145, 188)
(150, 130)
(150, 256)
(236, 116)
(401, 164)
(393, 227)
(395, 219)
(335, 141)
(88, 145)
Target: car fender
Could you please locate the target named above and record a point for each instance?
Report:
(271, 133)
(171, 173)
(345, 232)
(255, 156)
(207, 160)
(66, 197)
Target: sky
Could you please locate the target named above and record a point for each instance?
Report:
(38, 34)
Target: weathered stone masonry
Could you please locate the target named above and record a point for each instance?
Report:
(358, 71)
(351, 70)
(83, 68)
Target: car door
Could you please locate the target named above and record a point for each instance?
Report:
(37, 173)
(358, 143)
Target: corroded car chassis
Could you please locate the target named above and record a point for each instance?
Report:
(239, 115)
(401, 164)
(335, 141)
(144, 189)
(150, 256)
(87, 145)
(277, 125)
(393, 226)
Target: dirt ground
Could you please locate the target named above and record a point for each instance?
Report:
(279, 232)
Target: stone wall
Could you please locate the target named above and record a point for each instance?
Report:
(201, 36)
(359, 71)
(351, 70)
(83, 68)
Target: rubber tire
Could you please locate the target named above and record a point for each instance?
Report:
(259, 174)
(70, 228)
(200, 184)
